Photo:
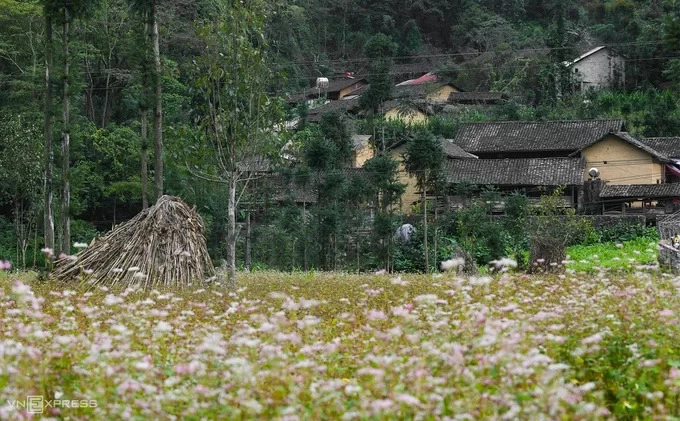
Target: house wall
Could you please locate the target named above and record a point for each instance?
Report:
(411, 194)
(348, 90)
(599, 70)
(442, 94)
(413, 117)
(622, 163)
(362, 155)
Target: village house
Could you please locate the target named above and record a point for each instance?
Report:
(630, 175)
(601, 67)
(411, 195)
(532, 139)
(334, 90)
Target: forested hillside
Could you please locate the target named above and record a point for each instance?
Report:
(105, 104)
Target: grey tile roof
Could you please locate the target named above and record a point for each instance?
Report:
(420, 90)
(341, 106)
(669, 146)
(454, 151)
(516, 172)
(476, 97)
(630, 140)
(532, 136)
(640, 191)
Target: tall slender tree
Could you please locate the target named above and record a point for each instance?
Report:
(151, 73)
(65, 199)
(66, 11)
(157, 99)
(48, 157)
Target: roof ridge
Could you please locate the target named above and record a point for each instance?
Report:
(542, 121)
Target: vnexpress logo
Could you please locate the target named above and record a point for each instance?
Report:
(36, 404)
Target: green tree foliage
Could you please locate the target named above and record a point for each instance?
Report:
(380, 48)
(237, 113)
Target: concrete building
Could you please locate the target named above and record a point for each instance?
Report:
(600, 67)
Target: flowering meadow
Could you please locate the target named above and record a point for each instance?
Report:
(338, 346)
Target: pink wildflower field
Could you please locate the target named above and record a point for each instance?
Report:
(336, 346)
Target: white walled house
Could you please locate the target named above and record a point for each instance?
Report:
(600, 67)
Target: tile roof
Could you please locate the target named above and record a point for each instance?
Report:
(454, 151)
(630, 140)
(420, 90)
(641, 191)
(476, 97)
(533, 136)
(334, 85)
(586, 54)
(669, 146)
(340, 106)
(516, 172)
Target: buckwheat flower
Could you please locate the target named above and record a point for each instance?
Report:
(381, 272)
(426, 299)
(587, 387)
(20, 288)
(143, 365)
(666, 313)
(408, 399)
(505, 262)
(376, 315)
(593, 339)
(162, 327)
(5, 265)
(48, 251)
(112, 300)
(382, 404)
(452, 264)
(481, 281)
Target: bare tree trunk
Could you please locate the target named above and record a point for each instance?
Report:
(65, 149)
(436, 228)
(427, 256)
(231, 233)
(304, 233)
(145, 158)
(48, 154)
(247, 247)
(158, 105)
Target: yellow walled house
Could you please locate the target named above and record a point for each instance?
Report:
(362, 149)
(622, 159)
(411, 194)
(407, 113)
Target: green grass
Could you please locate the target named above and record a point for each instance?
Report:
(626, 256)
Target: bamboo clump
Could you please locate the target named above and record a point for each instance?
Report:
(163, 245)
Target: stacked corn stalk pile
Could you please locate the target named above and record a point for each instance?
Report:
(161, 246)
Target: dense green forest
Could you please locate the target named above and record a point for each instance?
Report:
(106, 104)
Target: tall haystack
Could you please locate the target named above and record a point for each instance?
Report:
(161, 246)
